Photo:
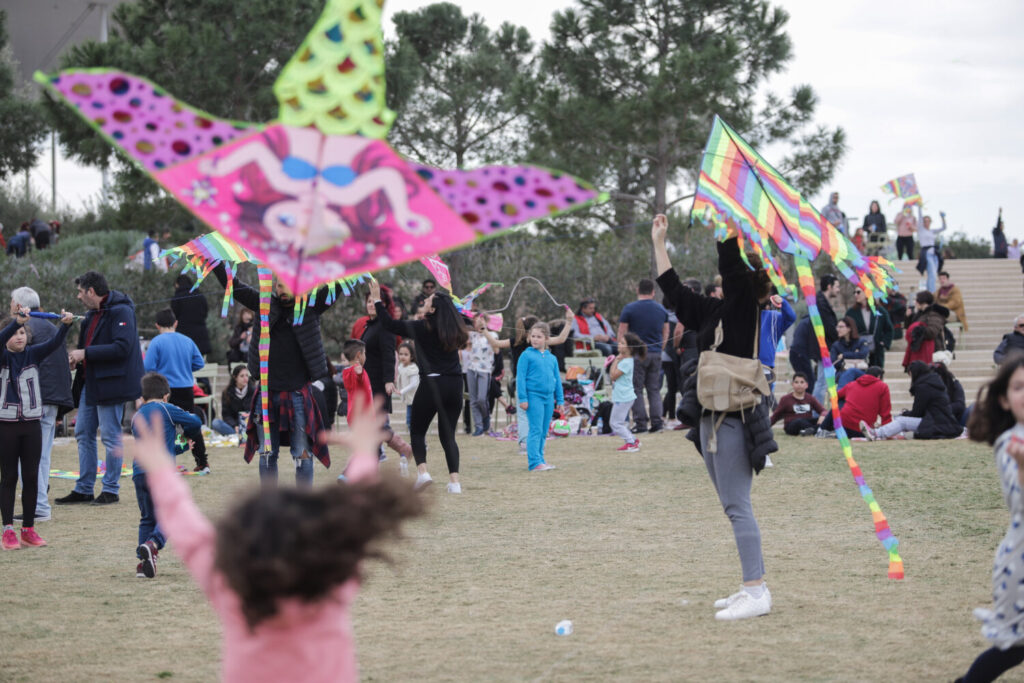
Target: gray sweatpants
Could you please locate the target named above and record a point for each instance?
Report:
(732, 475)
(619, 420)
(647, 377)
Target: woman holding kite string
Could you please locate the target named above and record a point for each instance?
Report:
(438, 338)
(742, 444)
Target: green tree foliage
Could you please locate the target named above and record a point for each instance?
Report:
(23, 127)
(221, 56)
(632, 86)
(461, 91)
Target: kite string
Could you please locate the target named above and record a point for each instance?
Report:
(516, 286)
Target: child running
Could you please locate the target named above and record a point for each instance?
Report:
(360, 394)
(281, 568)
(539, 388)
(998, 420)
(623, 395)
(408, 379)
(21, 409)
(156, 409)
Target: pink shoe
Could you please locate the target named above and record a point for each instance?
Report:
(10, 540)
(629, 447)
(30, 537)
(543, 467)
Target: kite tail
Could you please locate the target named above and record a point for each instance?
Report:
(266, 288)
(229, 289)
(882, 530)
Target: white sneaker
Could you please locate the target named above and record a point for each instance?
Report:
(768, 461)
(722, 603)
(745, 606)
(403, 466)
(454, 487)
(423, 480)
(868, 432)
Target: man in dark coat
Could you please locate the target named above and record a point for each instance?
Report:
(54, 386)
(190, 310)
(1012, 343)
(296, 360)
(109, 357)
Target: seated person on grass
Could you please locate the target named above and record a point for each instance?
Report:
(801, 411)
(930, 417)
(864, 402)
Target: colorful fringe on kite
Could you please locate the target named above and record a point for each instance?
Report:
(738, 189)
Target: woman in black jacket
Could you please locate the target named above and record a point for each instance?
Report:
(957, 400)
(930, 417)
(380, 365)
(235, 403)
(190, 310)
(438, 339)
(741, 444)
(241, 336)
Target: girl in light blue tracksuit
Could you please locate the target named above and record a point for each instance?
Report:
(539, 388)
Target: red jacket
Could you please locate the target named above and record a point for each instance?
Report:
(923, 354)
(357, 385)
(867, 397)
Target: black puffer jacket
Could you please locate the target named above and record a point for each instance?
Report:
(739, 313)
(757, 421)
(931, 404)
(285, 373)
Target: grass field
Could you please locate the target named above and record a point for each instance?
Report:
(632, 548)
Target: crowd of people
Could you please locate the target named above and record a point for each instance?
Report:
(432, 358)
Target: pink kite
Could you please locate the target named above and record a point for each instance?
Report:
(316, 195)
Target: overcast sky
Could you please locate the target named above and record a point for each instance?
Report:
(932, 87)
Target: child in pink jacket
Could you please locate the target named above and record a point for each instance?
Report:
(282, 567)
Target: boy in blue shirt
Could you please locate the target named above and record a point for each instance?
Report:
(176, 357)
(155, 393)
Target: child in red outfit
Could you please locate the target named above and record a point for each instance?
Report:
(360, 395)
(355, 380)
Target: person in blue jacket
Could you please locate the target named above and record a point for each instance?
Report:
(110, 360)
(774, 324)
(539, 388)
(156, 393)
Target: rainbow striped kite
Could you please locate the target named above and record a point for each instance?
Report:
(738, 188)
(905, 188)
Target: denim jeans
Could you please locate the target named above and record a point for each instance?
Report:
(148, 529)
(221, 427)
(108, 420)
(48, 423)
(298, 441)
(932, 268)
(479, 383)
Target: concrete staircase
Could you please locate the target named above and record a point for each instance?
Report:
(993, 291)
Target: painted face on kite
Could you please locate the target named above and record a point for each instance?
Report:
(316, 195)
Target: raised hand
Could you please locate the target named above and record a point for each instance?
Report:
(659, 228)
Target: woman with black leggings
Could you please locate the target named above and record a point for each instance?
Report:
(438, 338)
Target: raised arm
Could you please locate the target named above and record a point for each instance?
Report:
(659, 231)
(566, 329)
(242, 293)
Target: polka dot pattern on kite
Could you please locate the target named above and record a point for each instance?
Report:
(493, 198)
(154, 128)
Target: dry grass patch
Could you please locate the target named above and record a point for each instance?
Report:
(633, 548)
